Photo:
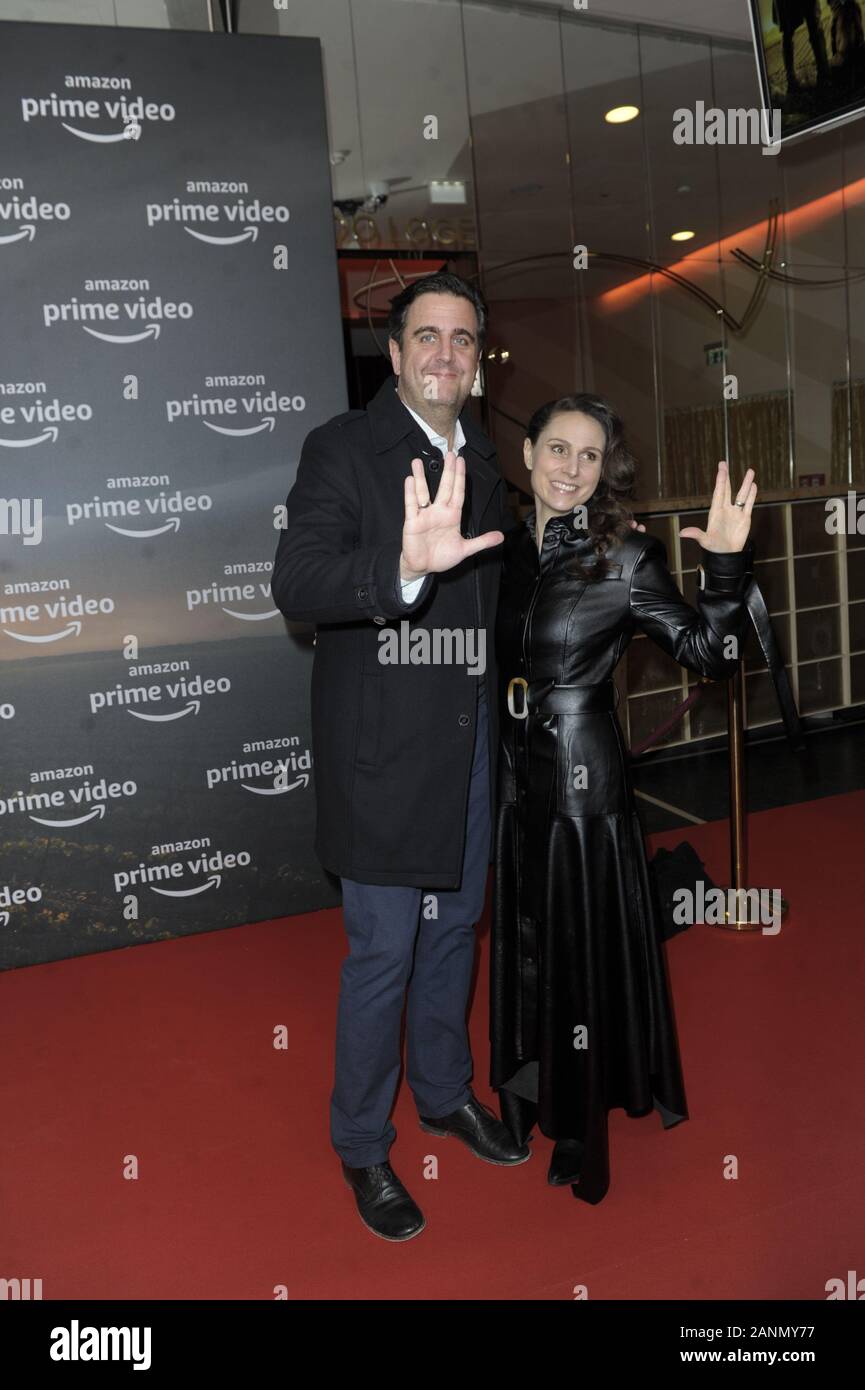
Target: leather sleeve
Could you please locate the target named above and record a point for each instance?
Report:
(321, 574)
(694, 637)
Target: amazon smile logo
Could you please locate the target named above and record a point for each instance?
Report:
(286, 774)
(221, 595)
(29, 212)
(110, 511)
(25, 233)
(52, 804)
(192, 216)
(76, 114)
(153, 876)
(47, 414)
(263, 406)
(128, 697)
(69, 611)
(149, 313)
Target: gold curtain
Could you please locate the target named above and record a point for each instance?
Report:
(759, 432)
(839, 431)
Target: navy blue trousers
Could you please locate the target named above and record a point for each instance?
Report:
(412, 949)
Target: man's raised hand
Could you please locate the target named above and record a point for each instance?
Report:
(431, 538)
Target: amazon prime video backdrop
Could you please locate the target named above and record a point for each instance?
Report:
(171, 332)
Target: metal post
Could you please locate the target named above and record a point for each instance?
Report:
(736, 915)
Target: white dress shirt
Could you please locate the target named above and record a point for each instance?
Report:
(411, 587)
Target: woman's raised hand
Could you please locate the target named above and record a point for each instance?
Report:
(729, 522)
(431, 538)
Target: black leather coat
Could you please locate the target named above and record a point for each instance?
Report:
(574, 939)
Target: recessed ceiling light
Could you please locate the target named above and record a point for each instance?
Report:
(684, 188)
(447, 191)
(682, 236)
(619, 114)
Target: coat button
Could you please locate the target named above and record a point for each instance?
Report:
(379, 620)
(435, 465)
(360, 593)
(464, 720)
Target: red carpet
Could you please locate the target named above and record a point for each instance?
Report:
(166, 1053)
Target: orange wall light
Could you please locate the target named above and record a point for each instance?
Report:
(799, 220)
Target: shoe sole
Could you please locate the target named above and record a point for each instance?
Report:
(393, 1239)
(499, 1162)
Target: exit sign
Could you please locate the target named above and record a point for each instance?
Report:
(715, 354)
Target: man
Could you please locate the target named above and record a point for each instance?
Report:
(389, 537)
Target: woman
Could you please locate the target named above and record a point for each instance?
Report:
(581, 1020)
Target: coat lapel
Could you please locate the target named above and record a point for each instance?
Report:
(574, 550)
(391, 424)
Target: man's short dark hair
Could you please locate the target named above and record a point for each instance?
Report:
(440, 282)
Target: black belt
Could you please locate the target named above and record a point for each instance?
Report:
(545, 697)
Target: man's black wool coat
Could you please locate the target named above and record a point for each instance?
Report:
(392, 744)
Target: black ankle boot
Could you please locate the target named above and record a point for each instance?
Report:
(566, 1162)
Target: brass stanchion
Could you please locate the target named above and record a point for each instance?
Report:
(734, 918)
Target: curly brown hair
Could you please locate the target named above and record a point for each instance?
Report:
(607, 517)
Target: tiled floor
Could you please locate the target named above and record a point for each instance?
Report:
(832, 761)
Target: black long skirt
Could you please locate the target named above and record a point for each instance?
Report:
(581, 1019)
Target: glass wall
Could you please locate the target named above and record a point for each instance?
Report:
(743, 341)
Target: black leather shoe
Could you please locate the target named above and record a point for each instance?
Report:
(385, 1207)
(566, 1162)
(481, 1130)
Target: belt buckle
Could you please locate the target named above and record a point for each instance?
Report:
(518, 680)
